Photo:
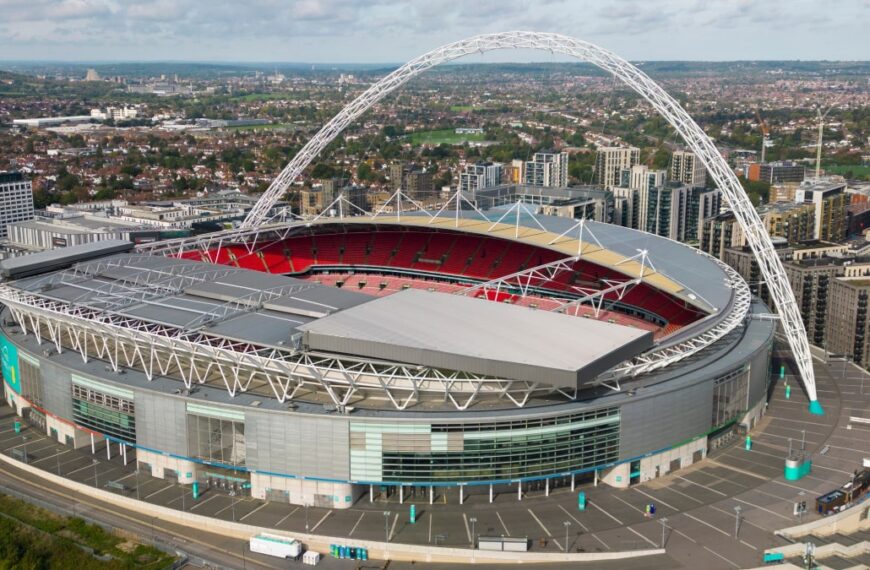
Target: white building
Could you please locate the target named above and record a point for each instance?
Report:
(686, 168)
(479, 176)
(611, 161)
(16, 200)
(549, 169)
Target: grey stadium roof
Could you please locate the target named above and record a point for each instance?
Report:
(461, 333)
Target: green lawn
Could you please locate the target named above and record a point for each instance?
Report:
(268, 127)
(856, 170)
(443, 136)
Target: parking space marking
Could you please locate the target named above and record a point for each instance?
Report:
(91, 466)
(359, 520)
(393, 528)
(703, 522)
(254, 511)
(720, 556)
(329, 512)
(737, 469)
(743, 542)
(654, 499)
(638, 509)
(575, 519)
(286, 516)
(431, 516)
(762, 508)
(792, 486)
(683, 534)
(539, 522)
(701, 485)
(467, 528)
(159, 491)
(653, 544)
(204, 501)
(598, 538)
(49, 457)
(504, 526)
(673, 490)
(592, 503)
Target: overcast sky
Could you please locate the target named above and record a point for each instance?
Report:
(369, 31)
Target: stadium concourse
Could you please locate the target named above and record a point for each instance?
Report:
(543, 352)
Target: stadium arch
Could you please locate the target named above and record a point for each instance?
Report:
(695, 138)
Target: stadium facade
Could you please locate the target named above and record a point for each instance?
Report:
(317, 362)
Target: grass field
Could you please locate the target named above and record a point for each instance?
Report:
(856, 170)
(268, 127)
(444, 136)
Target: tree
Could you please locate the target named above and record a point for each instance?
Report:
(322, 170)
(364, 172)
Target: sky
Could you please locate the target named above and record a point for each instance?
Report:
(392, 31)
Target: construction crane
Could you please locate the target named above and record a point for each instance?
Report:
(765, 132)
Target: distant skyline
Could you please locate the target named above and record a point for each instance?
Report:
(392, 31)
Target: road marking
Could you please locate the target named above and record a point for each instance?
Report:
(430, 527)
(204, 501)
(716, 528)
(504, 526)
(653, 544)
(286, 516)
(654, 499)
(254, 511)
(792, 486)
(575, 519)
(359, 520)
(467, 528)
(720, 556)
(743, 542)
(592, 503)
(324, 518)
(80, 469)
(539, 522)
(762, 508)
(556, 542)
(701, 485)
(862, 451)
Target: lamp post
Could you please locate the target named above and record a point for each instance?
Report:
(472, 520)
(737, 510)
(567, 525)
(664, 521)
(386, 526)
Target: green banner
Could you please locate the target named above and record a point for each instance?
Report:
(9, 362)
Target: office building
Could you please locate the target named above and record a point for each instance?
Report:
(610, 162)
(16, 200)
(776, 172)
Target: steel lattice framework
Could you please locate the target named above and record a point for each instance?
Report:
(756, 235)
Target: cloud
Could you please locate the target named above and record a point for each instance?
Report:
(395, 30)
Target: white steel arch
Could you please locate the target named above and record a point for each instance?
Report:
(756, 235)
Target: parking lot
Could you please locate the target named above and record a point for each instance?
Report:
(696, 508)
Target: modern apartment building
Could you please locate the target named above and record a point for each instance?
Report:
(549, 169)
(481, 175)
(829, 202)
(611, 161)
(686, 168)
(16, 200)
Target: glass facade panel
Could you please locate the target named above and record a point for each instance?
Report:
(105, 413)
(496, 451)
(730, 397)
(216, 440)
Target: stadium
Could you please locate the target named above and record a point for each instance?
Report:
(319, 362)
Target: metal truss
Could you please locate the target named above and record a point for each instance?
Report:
(667, 354)
(695, 138)
(197, 358)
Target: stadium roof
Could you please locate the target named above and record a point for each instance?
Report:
(493, 339)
